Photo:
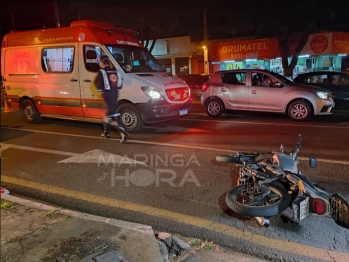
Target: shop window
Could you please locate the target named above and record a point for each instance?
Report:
(182, 66)
(166, 63)
(58, 60)
(234, 78)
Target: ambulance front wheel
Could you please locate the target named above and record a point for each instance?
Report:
(130, 118)
(30, 112)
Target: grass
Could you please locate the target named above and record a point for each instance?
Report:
(51, 213)
(6, 205)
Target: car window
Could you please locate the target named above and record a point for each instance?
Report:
(315, 79)
(259, 79)
(234, 78)
(283, 78)
(339, 79)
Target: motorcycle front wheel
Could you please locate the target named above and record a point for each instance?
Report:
(276, 201)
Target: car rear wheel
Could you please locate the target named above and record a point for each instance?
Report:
(300, 110)
(214, 107)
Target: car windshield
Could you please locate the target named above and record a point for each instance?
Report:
(284, 78)
(135, 59)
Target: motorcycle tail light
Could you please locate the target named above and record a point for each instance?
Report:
(319, 206)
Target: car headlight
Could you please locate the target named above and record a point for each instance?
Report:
(322, 95)
(152, 92)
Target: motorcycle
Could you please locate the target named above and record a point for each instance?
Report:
(271, 183)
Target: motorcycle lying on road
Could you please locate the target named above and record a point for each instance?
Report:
(271, 183)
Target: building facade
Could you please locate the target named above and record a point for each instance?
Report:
(323, 51)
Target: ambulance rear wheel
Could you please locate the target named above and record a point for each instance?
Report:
(130, 118)
(30, 112)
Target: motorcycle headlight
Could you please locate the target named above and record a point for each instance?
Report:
(152, 92)
(322, 95)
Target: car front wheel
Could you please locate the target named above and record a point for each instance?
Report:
(300, 110)
(214, 107)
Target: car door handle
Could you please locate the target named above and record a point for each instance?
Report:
(224, 90)
(73, 80)
(253, 92)
(87, 80)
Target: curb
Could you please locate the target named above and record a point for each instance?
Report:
(144, 229)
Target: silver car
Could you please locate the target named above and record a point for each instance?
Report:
(263, 91)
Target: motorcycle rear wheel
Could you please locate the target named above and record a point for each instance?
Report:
(274, 203)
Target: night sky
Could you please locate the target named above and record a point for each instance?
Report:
(35, 14)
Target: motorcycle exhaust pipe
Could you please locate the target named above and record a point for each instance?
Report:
(262, 221)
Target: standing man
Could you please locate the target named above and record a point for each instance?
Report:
(109, 82)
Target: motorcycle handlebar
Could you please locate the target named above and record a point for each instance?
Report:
(238, 159)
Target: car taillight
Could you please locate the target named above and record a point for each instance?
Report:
(319, 206)
(204, 87)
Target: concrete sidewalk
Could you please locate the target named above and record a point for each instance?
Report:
(31, 231)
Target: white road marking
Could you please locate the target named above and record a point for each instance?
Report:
(221, 150)
(98, 156)
(40, 150)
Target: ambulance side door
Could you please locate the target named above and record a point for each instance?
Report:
(92, 104)
(58, 85)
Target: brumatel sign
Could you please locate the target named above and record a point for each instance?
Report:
(317, 44)
(241, 50)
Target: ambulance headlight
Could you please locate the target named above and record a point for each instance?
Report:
(152, 92)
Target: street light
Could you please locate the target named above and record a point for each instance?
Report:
(205, 60)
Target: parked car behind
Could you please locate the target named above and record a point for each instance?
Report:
(336, 82)
(195, 81)
(264, 91)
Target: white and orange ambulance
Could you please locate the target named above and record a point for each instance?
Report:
(49, 73)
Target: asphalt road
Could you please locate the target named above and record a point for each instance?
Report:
(166, 176)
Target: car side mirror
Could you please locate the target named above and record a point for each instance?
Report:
(278, 84)
(312, 162)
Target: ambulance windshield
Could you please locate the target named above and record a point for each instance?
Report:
(135, 59)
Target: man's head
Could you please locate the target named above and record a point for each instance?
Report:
(104, 61)
(266, 79)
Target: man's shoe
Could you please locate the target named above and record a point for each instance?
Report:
(123, 133)
(123, 137)
(105, 135)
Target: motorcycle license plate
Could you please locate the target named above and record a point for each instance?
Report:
(183, 112)
(300, 208)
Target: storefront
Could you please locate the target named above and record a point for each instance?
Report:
(325, 51)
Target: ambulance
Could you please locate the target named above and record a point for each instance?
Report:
(51, 72)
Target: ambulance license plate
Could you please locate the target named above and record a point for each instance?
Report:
(183, 112)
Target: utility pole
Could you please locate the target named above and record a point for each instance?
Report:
(205, 42)
(58, 24)
(13, 21)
